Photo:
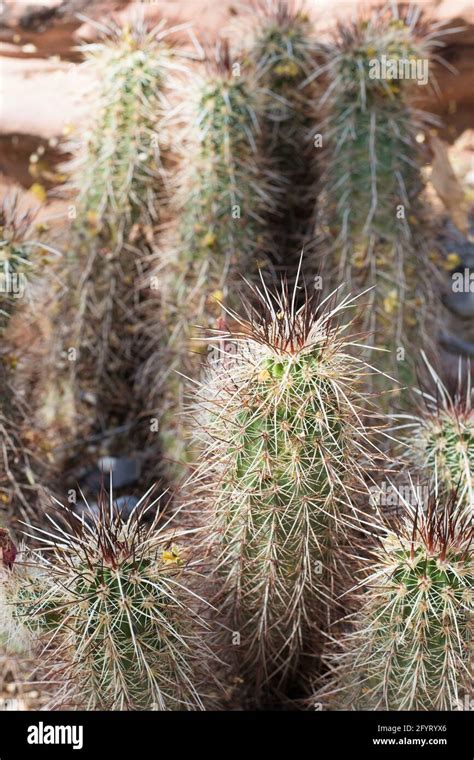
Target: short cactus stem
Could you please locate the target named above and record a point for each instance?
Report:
(106, 599)
(282, 422)
(411, 647)
(440, 437)
(372, 185)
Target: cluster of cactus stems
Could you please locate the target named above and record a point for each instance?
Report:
(373, 142)
(105, 603)
(283, 424)
(226, 189)
(282, 54)
(411, 647)
(112, 608)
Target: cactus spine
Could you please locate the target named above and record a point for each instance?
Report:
(373, 182)
(107, 601)
(283, 426)
(411, 649)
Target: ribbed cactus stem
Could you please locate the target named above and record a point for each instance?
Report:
(118, 173)
(411, 649)
(106, 600)
(284, 439)
(373, 142)
(225, 192)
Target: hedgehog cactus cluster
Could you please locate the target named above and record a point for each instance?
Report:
(284, 433)
(411, 649)
(188, 178)
(373, 140)
(104, 598)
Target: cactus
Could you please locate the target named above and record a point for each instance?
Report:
(118, 170)
(121, 185)
(21, 254)
(372, 182)
(224, 195)
(411, 647)
(284, 441)
(107, 604)
(17, 247)
(16, 641)
(119, 174)
(440, 442)
(282, 54)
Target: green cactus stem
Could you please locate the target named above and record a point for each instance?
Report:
(225, 192)
(98, 316)
(412, 644)
(440, 437)
(281, 420)
(373, 140)
(107, 602)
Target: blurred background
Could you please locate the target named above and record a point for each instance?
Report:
(42, 88)
(42, 102)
